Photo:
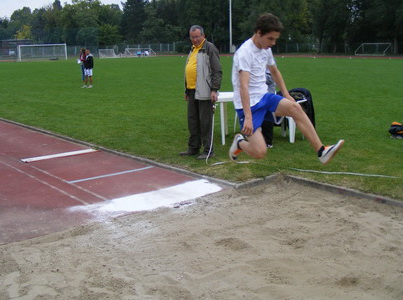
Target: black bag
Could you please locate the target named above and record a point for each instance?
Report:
(396, 129)
(300, 94)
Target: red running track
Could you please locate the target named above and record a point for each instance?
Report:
(35, 196)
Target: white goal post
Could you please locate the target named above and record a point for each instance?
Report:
(107, 53)
(42, 52)
(139, 52)
(373, 49)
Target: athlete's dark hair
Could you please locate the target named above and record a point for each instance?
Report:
(267, 23)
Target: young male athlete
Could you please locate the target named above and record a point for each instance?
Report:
(252, 102)
(88, 66)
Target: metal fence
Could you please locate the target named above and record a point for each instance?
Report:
(284, 48)
(169, 48)
(184, 47)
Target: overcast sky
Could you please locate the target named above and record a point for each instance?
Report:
(7, 7)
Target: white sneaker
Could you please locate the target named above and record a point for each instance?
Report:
(234, 150)
(84, 86)
(330, 151)
(90, 86)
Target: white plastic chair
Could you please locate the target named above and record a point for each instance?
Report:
(292, 126)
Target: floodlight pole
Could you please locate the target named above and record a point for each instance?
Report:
(230, 27)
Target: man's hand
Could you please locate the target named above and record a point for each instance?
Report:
(247, 127)
(288, 96)
(213, 96)
(186, 97)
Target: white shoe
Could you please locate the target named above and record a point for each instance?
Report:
(84, 86)
(330, 151)
(90, 86)
(234, 150)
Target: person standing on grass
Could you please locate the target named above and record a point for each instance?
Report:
(253, 103)
(82, 60)
(203, 76)
(88, 66)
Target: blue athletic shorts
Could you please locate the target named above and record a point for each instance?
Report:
(262, 111)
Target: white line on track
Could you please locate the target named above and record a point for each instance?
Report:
(58, 155)
(46, 183)
(65, 181)
(110, 175)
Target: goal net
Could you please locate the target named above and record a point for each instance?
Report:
(373, 49)
(42, 52)
(139, 52)
(107, 53)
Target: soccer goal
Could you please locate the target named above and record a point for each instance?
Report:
(107, 53)
(139, 52)
(373, 49)
(42, 52)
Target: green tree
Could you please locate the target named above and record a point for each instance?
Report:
(4, 29)
(215, 20)
(24, 33)
(80, 22)
(134, 16)
(53, 24)
(212, 15)
(242, 21)
(329, 22)
(87, 36)
(331, 19)
(168, 11)
(109, 35)
(38, 25)
(110, 14)
(385, 18)
(153, 27)
(18, 19)
(294, 14)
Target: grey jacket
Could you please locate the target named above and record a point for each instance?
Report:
(208, 70)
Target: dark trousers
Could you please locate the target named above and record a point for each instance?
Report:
(267, 131)
(200, 120)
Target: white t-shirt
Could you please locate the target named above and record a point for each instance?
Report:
(250, 58)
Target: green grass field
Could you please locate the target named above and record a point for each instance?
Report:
(137, 106)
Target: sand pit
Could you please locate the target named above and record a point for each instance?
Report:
(280, 240)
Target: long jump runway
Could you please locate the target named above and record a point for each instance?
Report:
(48, 184)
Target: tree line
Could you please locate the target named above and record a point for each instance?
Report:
(89, 22)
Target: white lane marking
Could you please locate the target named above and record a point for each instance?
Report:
(46, 183)
(75, 185)
(110, 175)
(64, 154)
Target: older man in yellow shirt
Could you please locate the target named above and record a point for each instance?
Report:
(203, 76)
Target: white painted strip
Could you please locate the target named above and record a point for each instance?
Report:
(65, 181)
(165, 197)
(110, 175)
(344, 173)
(64, 154)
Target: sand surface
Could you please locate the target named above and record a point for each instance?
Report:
(279, 240)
